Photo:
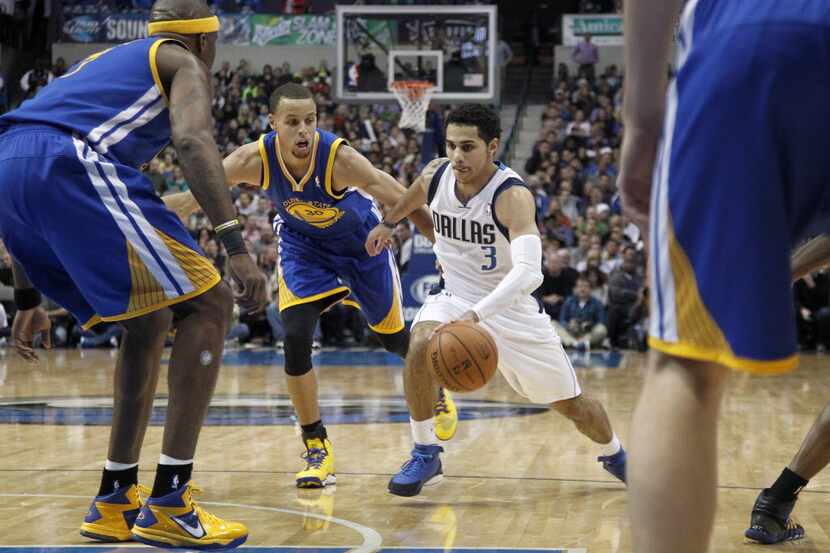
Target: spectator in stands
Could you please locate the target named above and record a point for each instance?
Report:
(625, 296)
(559, 279)
(582, 319)
(36, 78)
(586, 55)
(811, 295)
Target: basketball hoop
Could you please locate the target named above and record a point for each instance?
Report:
(413, 96)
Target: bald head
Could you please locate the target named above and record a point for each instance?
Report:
(167, 10)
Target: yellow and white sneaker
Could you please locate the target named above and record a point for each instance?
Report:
(111, 517)
(446, 416)
(175, 520)
(319, 467)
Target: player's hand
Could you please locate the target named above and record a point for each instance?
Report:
(468, 316)
(379, 238)
(639, 151)
(253, 295)
(26, 326)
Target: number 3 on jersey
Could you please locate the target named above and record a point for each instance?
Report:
(490, 258)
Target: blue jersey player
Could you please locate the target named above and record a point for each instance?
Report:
(86, 228)
(324, 192)
(739, 176)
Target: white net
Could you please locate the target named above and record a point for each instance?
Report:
(413, 96)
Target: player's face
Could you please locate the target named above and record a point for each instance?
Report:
(296, 122)
(470, 156)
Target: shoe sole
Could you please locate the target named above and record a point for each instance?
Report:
(434, 481)
(174, 543)
(104, 537)
(311, 482)
(766, 538)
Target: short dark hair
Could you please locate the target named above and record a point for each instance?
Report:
(482, 117)
(291, 91)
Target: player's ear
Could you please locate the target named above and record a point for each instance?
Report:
(493, 147)
(271, 122)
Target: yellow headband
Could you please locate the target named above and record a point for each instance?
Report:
(184, 26)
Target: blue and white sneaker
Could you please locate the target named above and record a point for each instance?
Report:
(422, 469)
(615, 464)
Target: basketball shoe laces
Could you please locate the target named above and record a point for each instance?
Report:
(441, 404)
(415, 466)
(204, 516)
(314, 457)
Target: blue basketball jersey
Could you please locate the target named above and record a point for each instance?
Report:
(310, 206)
(113, 100)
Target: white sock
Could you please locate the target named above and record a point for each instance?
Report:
(423, 432)
(611, 447)
(112, 465)
(166, 460)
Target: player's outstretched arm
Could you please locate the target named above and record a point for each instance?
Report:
(352, 169)
(243, 167)
(191, 124)
(414, 198)
(648, 33)
(516, 210)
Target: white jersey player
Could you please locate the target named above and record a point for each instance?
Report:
(488, 245)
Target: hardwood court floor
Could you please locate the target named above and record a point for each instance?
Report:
(515, 478)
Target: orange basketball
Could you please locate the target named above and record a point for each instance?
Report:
(463, 356)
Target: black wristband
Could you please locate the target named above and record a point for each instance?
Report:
(387, 224)
(233, 242)
(26, 298)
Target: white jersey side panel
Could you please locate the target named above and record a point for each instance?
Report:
(473, 251)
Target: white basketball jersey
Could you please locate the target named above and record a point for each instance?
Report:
(471, 244)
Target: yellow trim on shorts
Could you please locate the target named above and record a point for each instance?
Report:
(288, 299)
(352, 303)
(393, 322)
(298, 186)
(152, 308)
(727, 358)
(330, 170)
(154, 66)
(699, 336)
(94, 320)
(266, 169)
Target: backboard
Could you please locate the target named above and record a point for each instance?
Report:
(453, 47)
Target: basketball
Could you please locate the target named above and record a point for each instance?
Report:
(463, 356)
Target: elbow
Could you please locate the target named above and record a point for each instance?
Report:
(187, 143)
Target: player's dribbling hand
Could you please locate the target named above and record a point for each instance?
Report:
(379, 237)
(253, 295)
(26, 326)
(467, 316)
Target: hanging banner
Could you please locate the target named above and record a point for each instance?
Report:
(118, 28)
(301, 30)
(605, 29)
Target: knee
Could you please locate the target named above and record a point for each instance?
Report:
(418, 341)
(214, 306)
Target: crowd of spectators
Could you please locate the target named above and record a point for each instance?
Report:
(594, 288)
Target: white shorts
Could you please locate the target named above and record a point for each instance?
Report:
(531, 357)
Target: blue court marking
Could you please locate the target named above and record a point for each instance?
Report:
(271, 356)
(298, 549)
(248, 410)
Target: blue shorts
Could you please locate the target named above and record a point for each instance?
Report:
(91, 233)
(339, 269)
(741, 175)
